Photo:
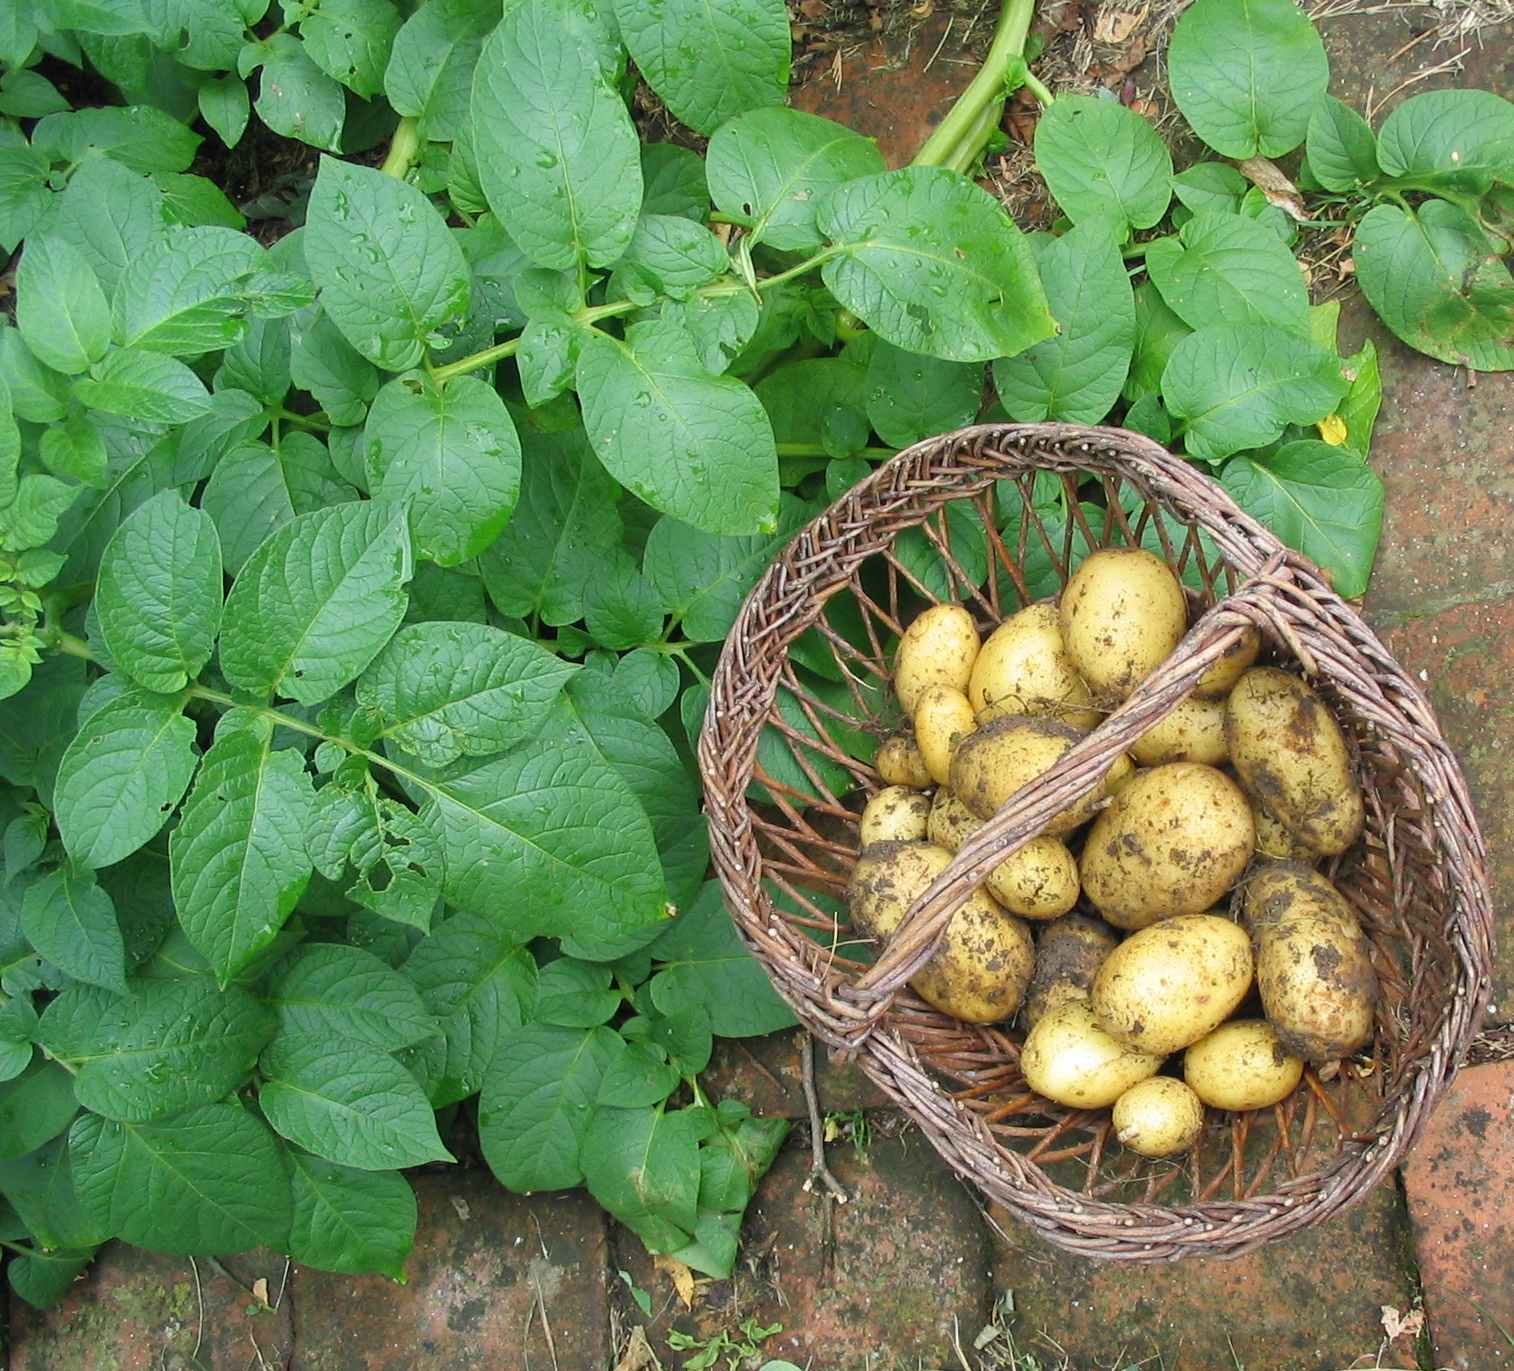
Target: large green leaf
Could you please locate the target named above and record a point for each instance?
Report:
(326, 990)
(296, 98)
(180, 295)
(350, 39)
(1341, 149)
(934, 265)
(643, 1166)
(71, 922)
(60, 309)
(431, 64)
(1101, 159)
(34, 1108)
(1225, 267)
(350, 1220)
(41, 1189)
(144, 386)
(1450, 140)
(910, 397)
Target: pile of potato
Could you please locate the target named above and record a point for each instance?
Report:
(1240, 789)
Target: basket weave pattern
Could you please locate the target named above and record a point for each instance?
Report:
(784, 837)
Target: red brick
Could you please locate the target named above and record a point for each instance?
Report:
(1460, 1183)
(765, 1073)
(485, 1264)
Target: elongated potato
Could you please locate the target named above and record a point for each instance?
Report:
(1169, 985)
(1193, 732)
(943, 718)
(1040, 881)
(1290, 753)
(1023, 668)
(1216, 683)
(1069, 954)
(1068, 1058)
(994, 762)
(1242, 1065)
(951, 822)
(1122, 612)
(1173, 841)
(938, 648)
(980, 971)
(1158, 1117)
(1273, 838)
(900, 762)
(895, 814)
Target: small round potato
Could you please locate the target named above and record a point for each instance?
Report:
(938, 648)
(1158, 1117)
(1122, 612)
(951, 822)
(1242, 1065)
(1193, 732)
(1040, 881)
(1068, 1058)
(1069, 954)
(1273, 838)
(1024, 669)
(994, 762)
(1173, 841)
(1169, 985)
(942, 719)
(895, 814)
(982, 967)
(1292, 756)
(1215, 683)
(899, 762)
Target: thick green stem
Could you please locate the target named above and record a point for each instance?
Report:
(404, 148)
(943, 147)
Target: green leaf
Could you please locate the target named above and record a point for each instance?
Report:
(71, 922)
(165, 1047)
(38, 393)
(1247, 74)
(1211, 185)
(390, 273)
(1226, 267)
(148, 386)
(41, 1188)
(195, 202)
(704, 962)
(259, 363)
(934, 265)
(691, 444)
(330, 991)
(452, 454)
(673, 182)
(317, 601)
(34, 1108)
(29, 95)
(18, 1026)
(640, 1076)
(480, 986)
(575, 994)
(431, 64)
(1364, 399)
(552, 841)
(123, 773)
(31, 519)
(43, 1278)
(139, 137)
(348, 1220)
(910, 397)
(1450, 140)
(710, 62)
(557, 152)
(1324, 501)
(350, 40)
(442, 691)
(75, 449)
(225, 106)
(773, 166)
(1101, 159)
(180, 295)
(167, 1186)
(98, 16)
(60, 309)
(622, 608)
(1158, 332)
(297, 99)
(159, 593)
(1239, 385)
(1076, 377)
(670, 255)
(348, 1103)
(1436, 280)
(323, 362)
(538, 1097)
(24, 194)
(1341, 149)
(111, 213)
(643, 1166)
(238, 855)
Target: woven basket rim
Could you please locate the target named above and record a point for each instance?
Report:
(1278, 585)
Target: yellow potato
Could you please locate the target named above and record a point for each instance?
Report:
(1291, 754)
(938, 648)
(1173, 841)
(895, 814)
(1122, 612)
(981, 968)
(1068, 1058)
(1120, 774)
(994, 762)
(1273, 838)
(1215, 683)
(1169, 985)
(951, 822)
(1023, 669)
(900, 762)
(1069, 953)
(1158, 1117)
(1242, 1065)
(942, 719)
(1040, 881)
(1193, 732)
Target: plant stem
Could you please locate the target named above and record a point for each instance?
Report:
(1037, 87)
(404, 148)
(944, 146)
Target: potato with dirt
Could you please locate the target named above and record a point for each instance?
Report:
(1158, 1117)
(900, 762)
(1169, 985)
(1273, 838)
(1291, 755)
(1172, 842)
(1023, 668)
(994, 762)
(1193, 732)
(1069, 954)
(980, 970)
(1069, 1058)
(895, 814)
(1121, 614)
(1217, 682)
(1040, 881)
(938, 648)
(943, 718)
(1242, 1065)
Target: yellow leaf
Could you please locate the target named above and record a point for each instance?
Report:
(1332, 428)
(681, 1276)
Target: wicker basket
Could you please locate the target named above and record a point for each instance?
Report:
(801, 693)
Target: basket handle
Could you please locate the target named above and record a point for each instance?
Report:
(1027, 812)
